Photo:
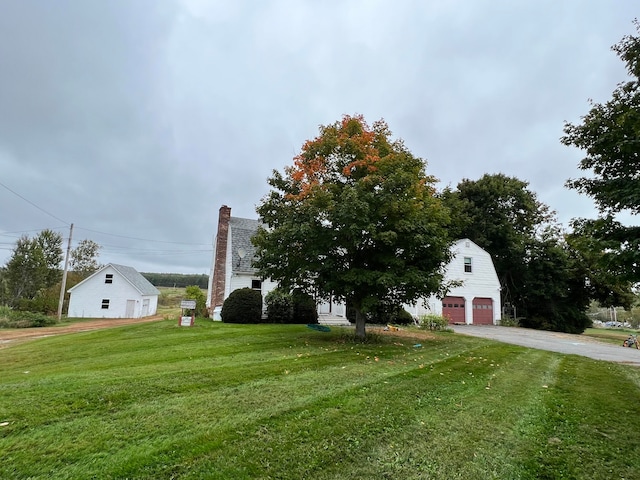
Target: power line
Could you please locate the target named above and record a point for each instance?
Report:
(90, 230)
(137, 238)
(37, 206)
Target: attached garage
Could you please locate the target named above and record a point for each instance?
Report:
(482, 311)
(453, 309)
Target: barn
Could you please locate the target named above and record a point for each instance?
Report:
(114, 291)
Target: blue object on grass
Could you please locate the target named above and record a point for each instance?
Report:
(417, 345)
(319, 328)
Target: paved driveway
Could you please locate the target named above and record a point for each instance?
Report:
(555, 342)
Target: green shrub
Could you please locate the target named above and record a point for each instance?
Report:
(305, 309)
(165, 300)
(404, 318)
(242, 306)
(18, 319)
(388, 313)
(434, 322)
(509, 321)
(279, 306)
(193, 292)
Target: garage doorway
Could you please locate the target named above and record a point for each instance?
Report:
(482, 311)
(453, 309)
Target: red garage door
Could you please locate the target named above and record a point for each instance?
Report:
(482, 311)
(453, 309)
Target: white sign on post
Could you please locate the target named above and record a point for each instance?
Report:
(187, 305)
(190, 304)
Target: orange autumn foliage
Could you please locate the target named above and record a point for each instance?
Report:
(344, 149)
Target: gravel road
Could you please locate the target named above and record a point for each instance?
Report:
(555, 342)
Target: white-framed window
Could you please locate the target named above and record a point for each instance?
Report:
(256, 284)
(108, 278)
(105, 303)
(467, 265)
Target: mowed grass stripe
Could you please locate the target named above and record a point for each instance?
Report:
(364, 424)
(291, 403)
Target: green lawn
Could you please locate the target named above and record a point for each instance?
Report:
(226, 402)
(610, 335)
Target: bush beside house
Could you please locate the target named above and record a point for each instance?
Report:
(243, 305)
(279, 306)
(296, 307)
(304, 308)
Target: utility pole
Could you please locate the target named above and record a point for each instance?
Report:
(64, 275)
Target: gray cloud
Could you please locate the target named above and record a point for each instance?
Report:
(137, 120)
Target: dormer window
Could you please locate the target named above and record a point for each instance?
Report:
(467, 265)
(108, 278)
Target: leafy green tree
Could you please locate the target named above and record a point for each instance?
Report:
(555, 295)
(50, 243)
(609, 134)
(607, 284)
(355, 217)
(84, 258)
(4, 287)
(33, 266)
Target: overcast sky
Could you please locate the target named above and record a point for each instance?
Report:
(135, 120)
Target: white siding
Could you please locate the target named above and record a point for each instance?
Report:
(242, 280)
(482, 282)
(87, 298)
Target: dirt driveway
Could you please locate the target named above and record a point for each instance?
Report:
(555, 342)
(13, 335)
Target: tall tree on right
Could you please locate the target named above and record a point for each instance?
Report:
(542, 276)
(610, 136)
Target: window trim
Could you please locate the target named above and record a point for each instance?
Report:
(105, 304)
(108, 278)
(468, 265)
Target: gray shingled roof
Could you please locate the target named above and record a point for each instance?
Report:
(136, 279)
(242, 229)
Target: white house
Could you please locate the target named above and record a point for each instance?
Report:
(114, 291)
(476, 301)
(232, 258)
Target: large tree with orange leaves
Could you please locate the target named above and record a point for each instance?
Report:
(355, 218)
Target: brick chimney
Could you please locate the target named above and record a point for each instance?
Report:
(219, 265)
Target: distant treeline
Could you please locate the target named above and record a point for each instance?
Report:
(177, 279)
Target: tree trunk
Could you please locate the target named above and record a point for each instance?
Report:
(360, 322)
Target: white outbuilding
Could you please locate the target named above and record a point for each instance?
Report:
(114, 291)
